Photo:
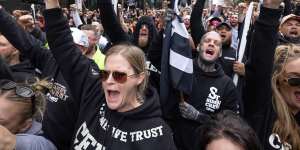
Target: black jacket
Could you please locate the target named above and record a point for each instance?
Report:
(23, 71)
(97, 126)
(212, 93)
(5, 71)
(58, 118)
(197, 29)
(227, 59)
(258, 94)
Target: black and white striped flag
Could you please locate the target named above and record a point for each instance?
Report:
(177, 63)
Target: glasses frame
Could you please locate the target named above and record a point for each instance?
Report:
(22, 91)
(118, 76)
(293, 81)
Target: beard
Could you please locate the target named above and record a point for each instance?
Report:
(143, 41)
(294, 40)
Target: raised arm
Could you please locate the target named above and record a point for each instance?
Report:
(75, 67)
(111, 25)
(260, 62)
(197, 29)
(28, 45)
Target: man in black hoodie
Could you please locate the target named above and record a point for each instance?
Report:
(228, 53)
(213, 92)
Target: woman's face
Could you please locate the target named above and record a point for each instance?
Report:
(223, 144)
(12, 114)
(121, 96)
(291, 94)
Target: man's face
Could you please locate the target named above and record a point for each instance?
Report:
(186, 22)
(92, 38)
(225, 34)
(234, 20)
(143, 36)
(6, 49)
(291, 28)
(205, 12)
(210, 47)
(12, 114)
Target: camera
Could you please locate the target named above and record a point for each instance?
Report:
(39, 2)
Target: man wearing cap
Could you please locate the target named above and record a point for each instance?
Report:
(94, 51)
(82, 42)
(212, 23)
(289, 29)
(228, 56)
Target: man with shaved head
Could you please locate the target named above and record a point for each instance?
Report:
(213, 91)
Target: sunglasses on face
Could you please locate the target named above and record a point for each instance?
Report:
(295, 81)
(120, 77)
(20, 90)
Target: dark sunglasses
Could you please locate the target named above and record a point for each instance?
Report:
(21, 91)
(294, 81)
(120, 77)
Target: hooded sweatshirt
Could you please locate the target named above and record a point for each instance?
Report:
(149, 22)
(31, 139)
(58, 118)
(259, 110)
(5, 71)
(97, 126)
(23, 71)
(212, 93)
(227, 59)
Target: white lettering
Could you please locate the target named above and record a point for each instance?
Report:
(146, 134)
(276, 143)
(212, 102)
(84, 139)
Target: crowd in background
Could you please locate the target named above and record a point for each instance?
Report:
(81, 79)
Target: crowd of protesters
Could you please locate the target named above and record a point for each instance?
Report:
(73, 78)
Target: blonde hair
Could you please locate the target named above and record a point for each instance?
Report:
(36, 109)
(285, 125)
(136, 58)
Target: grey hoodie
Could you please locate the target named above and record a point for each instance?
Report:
(31, 140)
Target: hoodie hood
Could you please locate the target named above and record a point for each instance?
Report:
(149, 109)
(23, 71)
(217, 73)
(145, 20)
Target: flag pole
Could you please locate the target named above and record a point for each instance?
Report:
(244, 39)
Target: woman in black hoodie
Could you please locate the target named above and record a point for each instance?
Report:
(122, 115)
(277, 126)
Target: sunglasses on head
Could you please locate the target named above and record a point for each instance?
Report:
(118, 76)
(295, 81)
(20, 90)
